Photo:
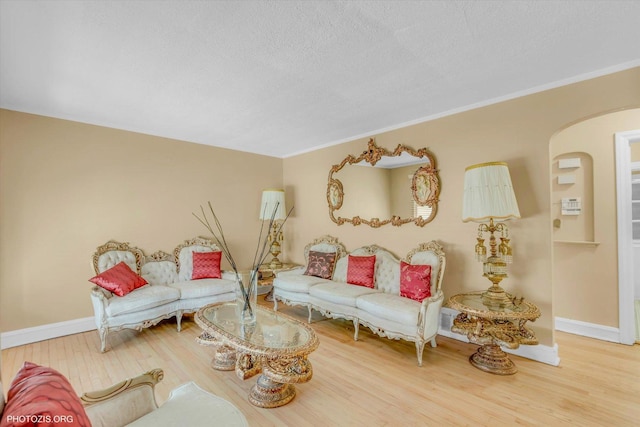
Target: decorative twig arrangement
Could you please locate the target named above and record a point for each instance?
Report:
(259, 255)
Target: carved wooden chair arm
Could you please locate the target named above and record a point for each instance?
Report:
(437, 298)
(102, 294)
(149, 379)
(124, 402)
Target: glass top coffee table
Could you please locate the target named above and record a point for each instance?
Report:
(275, 346)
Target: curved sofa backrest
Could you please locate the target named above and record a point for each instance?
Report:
(387, 268)
(327, 244)
(160, 268)
(184, 255)
(112, 253)
(430, 253)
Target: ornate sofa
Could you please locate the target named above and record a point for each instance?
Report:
(40, 395)
(380, 308)
(171, 291)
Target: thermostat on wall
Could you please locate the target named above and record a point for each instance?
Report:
(571, 206)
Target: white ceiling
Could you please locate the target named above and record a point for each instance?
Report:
(286, 77)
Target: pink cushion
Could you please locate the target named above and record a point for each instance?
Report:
(415, 281)
(321, 264)
(119, 279)
(206, 265)
(41, 396)
(361, 269)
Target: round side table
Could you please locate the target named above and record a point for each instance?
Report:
(493, 325)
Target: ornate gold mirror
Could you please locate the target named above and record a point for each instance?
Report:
(381, 187)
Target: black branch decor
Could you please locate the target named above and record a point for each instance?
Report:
(259, 256)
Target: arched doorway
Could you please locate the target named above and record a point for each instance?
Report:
(590, 294)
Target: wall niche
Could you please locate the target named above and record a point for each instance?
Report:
(572, 198)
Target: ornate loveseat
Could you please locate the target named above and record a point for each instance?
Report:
(381, 308)
(171, 291)
(40, 395)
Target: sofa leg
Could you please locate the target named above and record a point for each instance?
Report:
(433, 342)
(356, 329)
(419, 349)
(275, 303)
(310, 313)
(103, 332)
(179, 320)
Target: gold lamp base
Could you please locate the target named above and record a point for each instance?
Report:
(275, 251)
(497, 297)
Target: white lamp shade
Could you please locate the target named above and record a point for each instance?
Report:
(488, 193)
(273, 199)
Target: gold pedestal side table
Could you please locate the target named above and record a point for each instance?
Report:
(493, 325)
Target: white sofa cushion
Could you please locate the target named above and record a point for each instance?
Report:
(203, 287)
(142, 299)
(189, 405)
(297, 282)
(163, 311)
(340, 293)
(391, 307)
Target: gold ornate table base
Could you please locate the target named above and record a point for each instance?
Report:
(493, 326)
(224, 358)
(490, 358)
(275, 348)
(274, 387)
(270, 394)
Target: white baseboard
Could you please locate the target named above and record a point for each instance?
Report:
(591, 330)
(539, 353)
(46, 332)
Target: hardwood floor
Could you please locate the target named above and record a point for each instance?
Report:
(371, 382)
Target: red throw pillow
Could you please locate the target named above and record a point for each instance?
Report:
(206, 265)
(361, 269)
(321, 264)
(41, 396)
(415, 281)
(119, 279)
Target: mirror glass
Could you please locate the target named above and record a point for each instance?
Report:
(380, 187)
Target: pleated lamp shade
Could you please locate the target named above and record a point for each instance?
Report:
(488, 193)
(272, 199)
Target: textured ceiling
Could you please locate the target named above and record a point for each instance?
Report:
(280, 78)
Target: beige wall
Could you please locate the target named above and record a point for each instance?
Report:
(585, 276)
(516, 131)
(68, 187)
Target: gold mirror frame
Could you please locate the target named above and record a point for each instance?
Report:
(425, 186)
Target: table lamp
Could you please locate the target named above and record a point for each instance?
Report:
(488, 196)
(273, 207)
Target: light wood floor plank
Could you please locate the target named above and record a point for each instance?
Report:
(370, 382)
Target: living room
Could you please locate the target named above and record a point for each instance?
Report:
(69, 186)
